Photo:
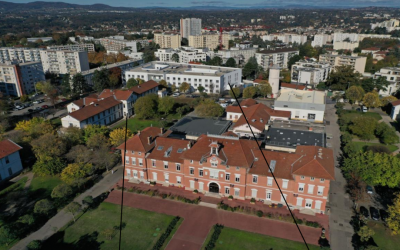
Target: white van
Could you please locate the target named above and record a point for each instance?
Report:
(364, 109)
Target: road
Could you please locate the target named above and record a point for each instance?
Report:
(341, 231)
(62, 218)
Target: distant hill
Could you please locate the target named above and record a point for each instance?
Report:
(39, 5)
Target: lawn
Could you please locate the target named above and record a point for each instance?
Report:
(362, 146)
(369, 114)
(236, 239)
(44, 184)
(135, 124)
(142, 229)
(382, 236)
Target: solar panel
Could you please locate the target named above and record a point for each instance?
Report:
(272, 165)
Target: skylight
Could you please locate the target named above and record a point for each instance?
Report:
(160, 147)
(180, 150)
(272, 166)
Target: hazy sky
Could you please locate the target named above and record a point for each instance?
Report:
(236, 3)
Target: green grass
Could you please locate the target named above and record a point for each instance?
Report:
(44, 184)
(172, 233)
(234, 239)
(362, 146)
(383, 238)
(19, 185)
(135, 124)
(369, 114)
(56, 122)
(138, 233)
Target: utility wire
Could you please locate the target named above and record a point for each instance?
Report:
(270, 170)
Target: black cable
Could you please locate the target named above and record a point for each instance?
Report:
(123, 183)
(259, 147)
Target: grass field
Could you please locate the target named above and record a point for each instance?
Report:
(44, 184)
(369, 114)
(383, 238)
(362, 146)
(234, 239)
(142, 229)
(135, 124)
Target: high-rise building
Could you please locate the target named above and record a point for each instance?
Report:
(392, 75)
(279, 57)
(209, 40)
(190, 27)
(89, 47)
(355, 61)
(168, 40)
(64, 61)
(19, 54)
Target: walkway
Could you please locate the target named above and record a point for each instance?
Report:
(62, 218)
(198, 221)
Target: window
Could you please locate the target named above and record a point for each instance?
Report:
(128, 172)
(237, 178)
(191, 171)
(166, 177)
(191, 161)
(165, 164)
(133, 161)
(214, 164)
(214, 151)
(134, 173)
(227, 167)
(226, 190)
(269, 195)
(200, 172)
(310, 189)
(255, 178)
(302, 177)
(312, 178)
(269, 181)
(140, 162)
(126, 160)
(139, 153)
(238, 168)
(285, 184)
(237, 191)
(283, 197)
(133, 152)
(227, 177)
(178, 180)
(178, 167)
(153, 163)
(308, 203)
(322, 180)
(320, 190)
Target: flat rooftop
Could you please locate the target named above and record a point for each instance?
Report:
(196, 126)
(109, 66)
(291, 137)
(301, 96)
(156, 67)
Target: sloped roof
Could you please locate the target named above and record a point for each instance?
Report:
(395, 103)
(139, 142)
(146, 86)
(292, 86)
(118, 93)
(175, 147)
(86, 100)
(95, 108)
(8, 147)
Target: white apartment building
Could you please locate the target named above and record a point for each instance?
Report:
(286, 38)
(64, 61)
(19, 54)
(320, 40)
(186, 54)
(312, 73)
(354, 37)
(89, 47)
(190, 27)
(117, 44)
(241, 56)
(34, 39)
(390, 25)
(17, 79)
(209, 40)
(168, 40)
(357, 62)
(345, 45)
(214, 79)
(278, 57)
(303, 104)
(392, 75)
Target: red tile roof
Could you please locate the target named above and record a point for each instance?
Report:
(292, 86)
(230, 133)
(372, 48)
(146, 86)
(86, 100)
(118, 93)
(315, 162)
(166, 149)
(95, 108)
(395, 103)
(248, 102)
(8, 147)
(140, 142)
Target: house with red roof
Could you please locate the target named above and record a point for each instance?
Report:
(10, 160)
(394, 114)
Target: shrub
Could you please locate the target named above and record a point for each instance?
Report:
(165, 235)
(230, 197)
(34, 245)
(214, 237)
(195, 191)
(379, 149)
(260, 213)
(253, 200)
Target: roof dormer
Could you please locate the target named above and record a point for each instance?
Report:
(214, 148)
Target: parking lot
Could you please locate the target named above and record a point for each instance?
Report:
(36, 107)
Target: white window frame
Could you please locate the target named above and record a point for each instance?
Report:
(237, 192)
(127, 159)
(227, 189)
(268, 195)
(135, 174)
(191, 184)
(312, 178)
(299, 202)
(254, 193)
(301, 187)
(308, 202)
(165, 165)
(191, 171)
(237, 178)
(318, 205)
(283, 200)
(133, 160)
(140, 162)
(320, 190)
(310, 189)
(178, 180)
(166, 177)
(201, 186)
(128, 172)
(285, 184)
(178, 167)
(322, 180)
(269, 181)
(153, 163)
(302, 177)
(255, 178)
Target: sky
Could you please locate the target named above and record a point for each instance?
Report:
(234, 3)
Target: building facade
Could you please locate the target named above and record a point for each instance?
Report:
(185, 54)
(390, 25)
(19, 54)
(17, 79)
(168, 40)
(278, 57)
(345, 45)
(89, 47)
(312, 73)
(10, 160)
(321, 40)
(392, 75)
(209, 40)
(64, 61)
(190, 27)
(117, 44)
(357, 62)
(240, 55)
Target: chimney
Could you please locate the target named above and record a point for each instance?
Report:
(149, 140)
(310, 129)
(189, 145)
(161, 131)
(138, 132)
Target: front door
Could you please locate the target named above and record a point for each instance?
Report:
(214, 188)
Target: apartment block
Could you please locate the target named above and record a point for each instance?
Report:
(64, 61)
(321, 40)
(89, 47)
(168, 40)
(357, 62)
(190, 27)
(209, 40)
(240, 55)
(345, 45)
(392, 75)
(286, 38)
(186, 54)
(278, 57)
(17, 79)
(311, 73)
(19, 54)
(117, 44)
(390, 25)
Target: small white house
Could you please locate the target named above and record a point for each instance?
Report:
(394, 114)
(10, 160)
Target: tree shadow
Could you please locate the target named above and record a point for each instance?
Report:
(85, 242)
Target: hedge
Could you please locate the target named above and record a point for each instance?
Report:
(166, 234)
(14, 187)
(214, 237)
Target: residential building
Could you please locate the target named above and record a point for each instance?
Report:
(392, 75)
(89, 47)
(229, 166)
(100, 112)
(370, 50)
(17, 79)
(19, 54)
(257, 114)
(190, 27)
(64, 61)
(355, 37)
(10, 160)
(303, 105)
(240, 55)
(311, 73)
(278, 57)
(321, 40)
(285, 85)
(146, 88)
(345, 45)
(35, 39)
(213, 78)
(394, 114)
(186, 54)
(168, 40)
(357, 62)
(286, 38)
(118, 43)
(390, 25)
(209, 40)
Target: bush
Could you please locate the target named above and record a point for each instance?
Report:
(312, 224)
(214, 237)
(260, 213)
(253, 200)
(19, 185)
(379, 149)
(167, 232)
(34, 245)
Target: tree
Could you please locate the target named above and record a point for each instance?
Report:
(88, 200)
(371, 100)
(43, 206)
(61, 191)
(364, 127)
(117, 136)
(208, 108)
(49, 89)
(175, 57)
(90, 130)
(96, 141)
(146, 106)
(381, 83)
(249, 92)
(66, 85)
(386, 133)
(48, 146)
(34, 128)
(234, 92)
(166, 104)
(354, 94)
(293, 60)
(73, 208)
(393, 220)
(184, 87)
(7, 235)
(264, 89)
(182, 110)
(75, 171)
(250, 68)
(114, 77)
(72, 136)
(27, 219)
(131, 83)
(385, 101)
(103, 158)
(34, 245)
(79, 153)
(79, 84)
(163, 83)
(365, 233)
(200, 89)
(230, 63)
(100, 80)
(24, 98)
(343, 77)
(50, 167)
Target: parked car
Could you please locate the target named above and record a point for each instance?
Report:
(364, 109)
(224, 105)
(374, 213)
(36, 101)
(364, 212)
(189, 96)
(175, 94)
(384, 215)
(45, 107)
(370, 190)
(38, 108)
